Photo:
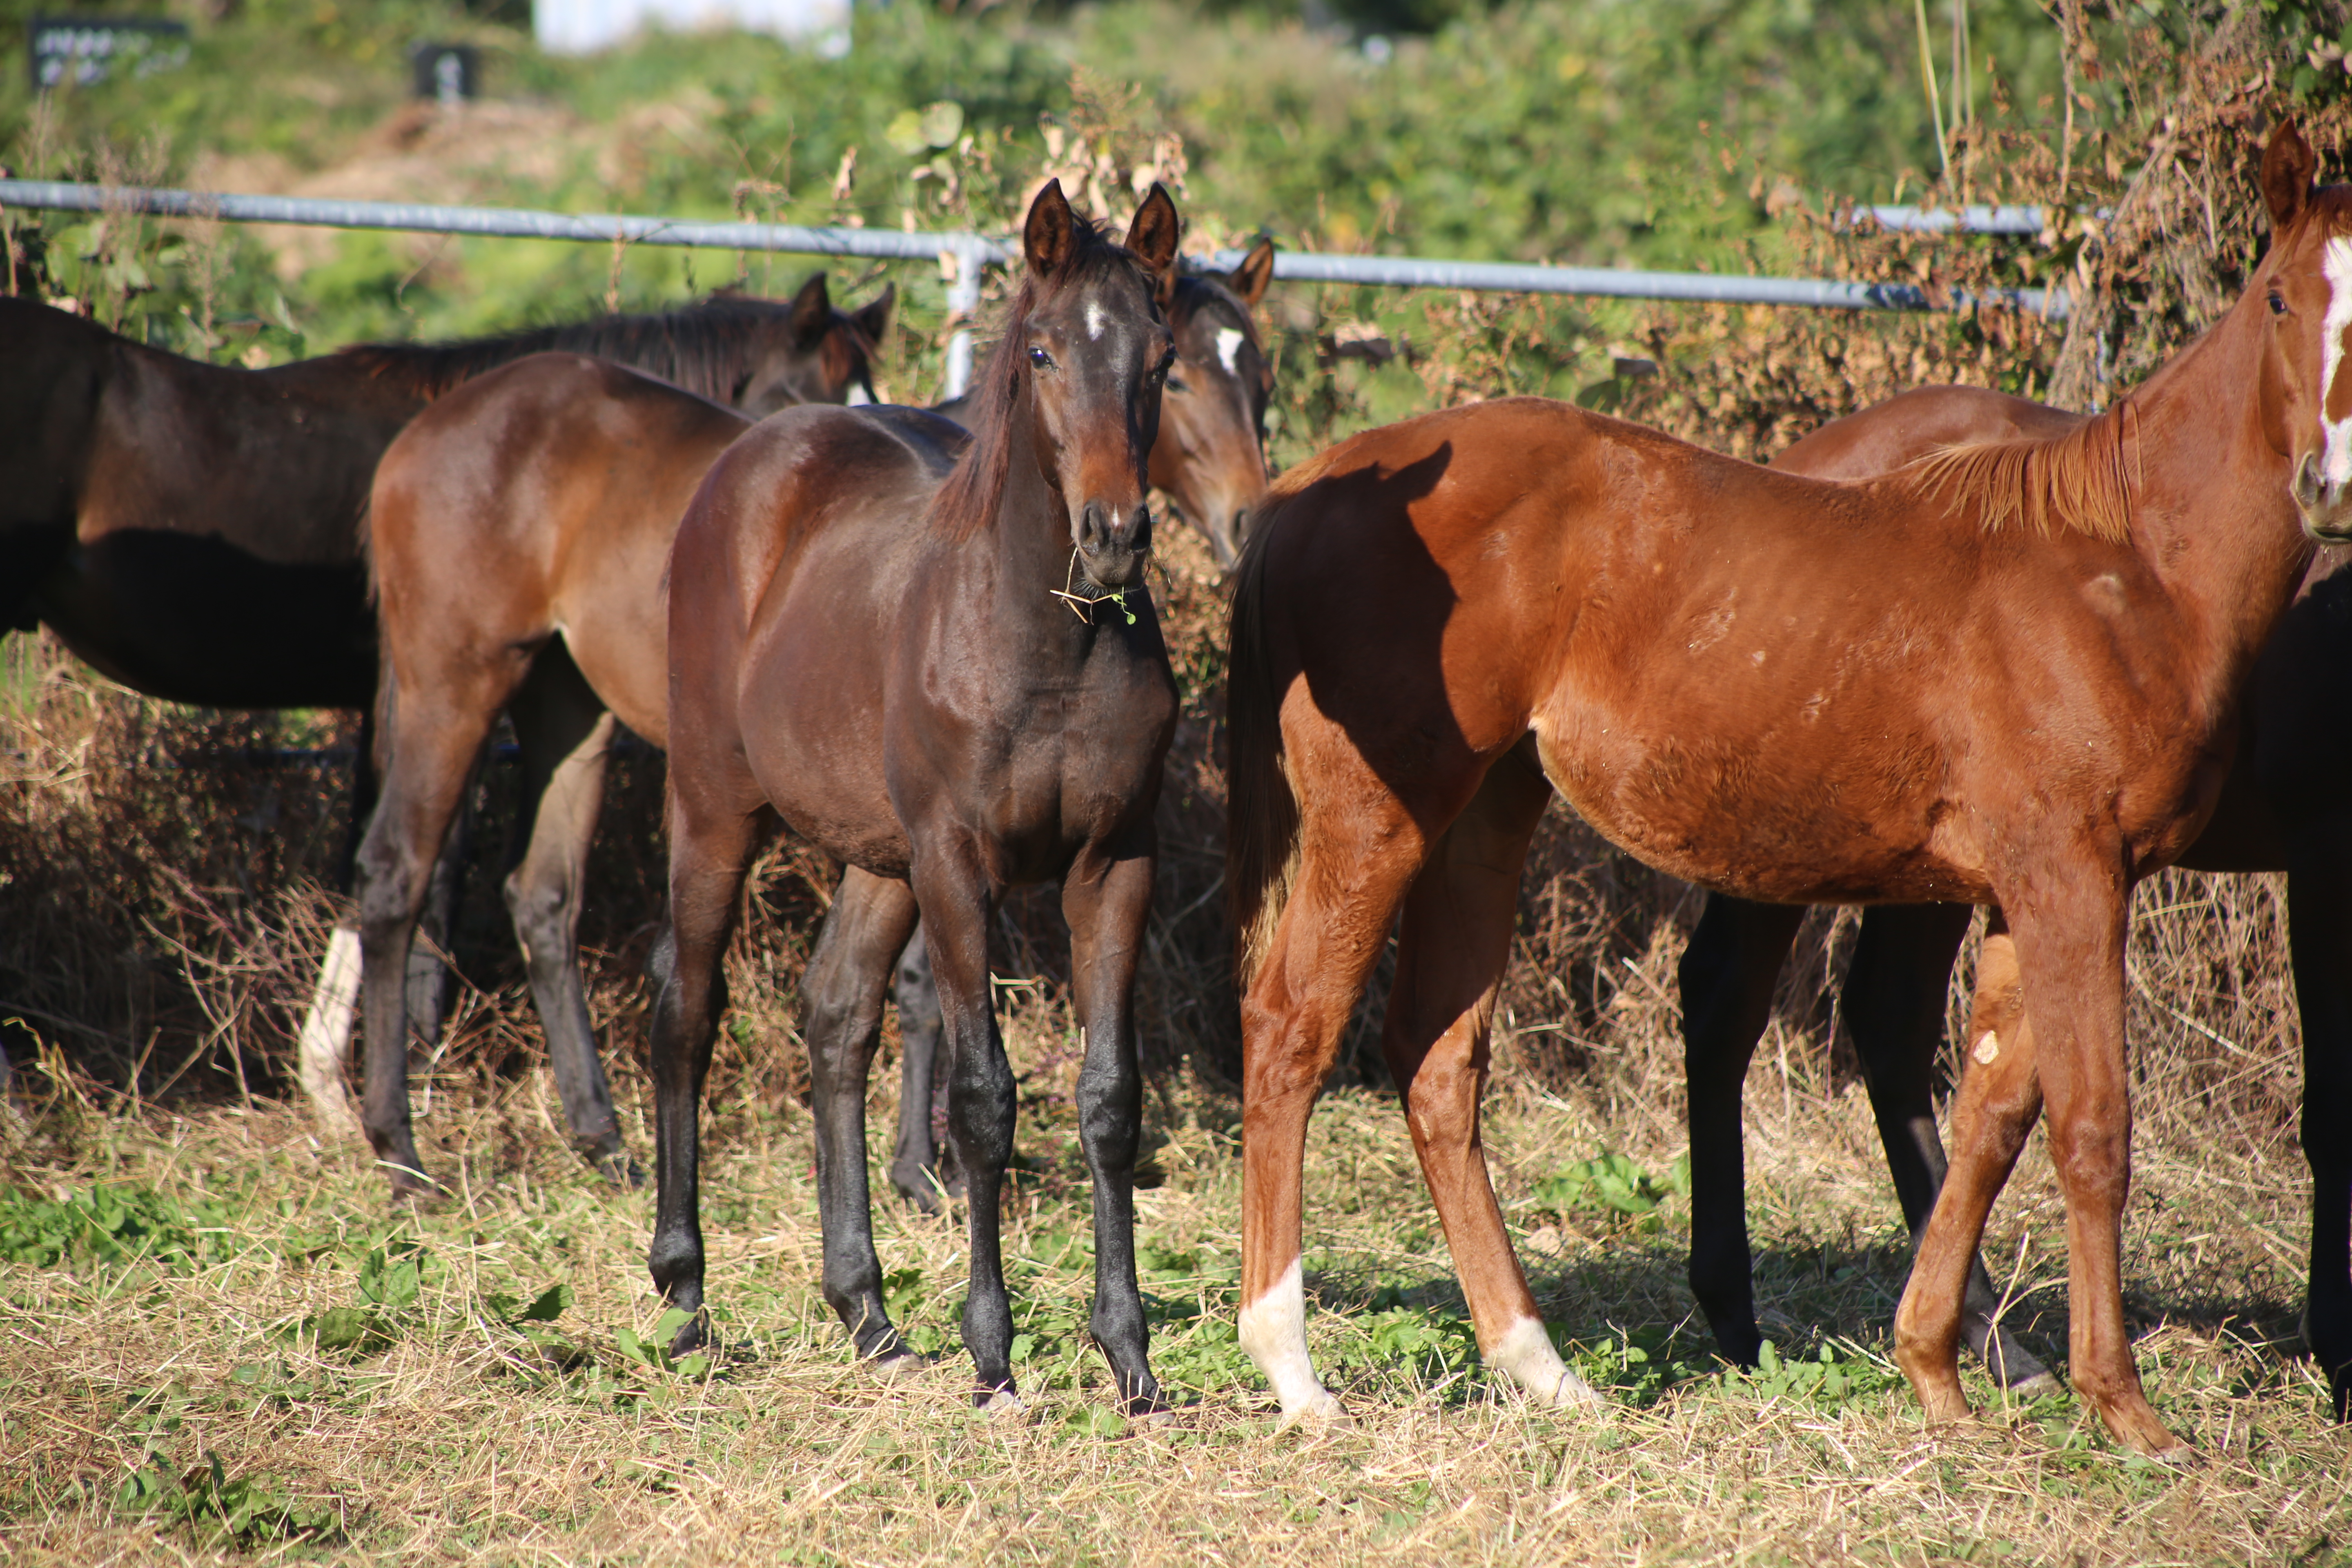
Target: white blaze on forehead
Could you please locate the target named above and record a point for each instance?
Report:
(2336, 435)
(1094, 318)
(1229, 343)
(858, 397)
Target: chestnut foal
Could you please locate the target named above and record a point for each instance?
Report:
(2008, 676)
(2280, 811)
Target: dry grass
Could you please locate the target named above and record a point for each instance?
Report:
(452, 1437)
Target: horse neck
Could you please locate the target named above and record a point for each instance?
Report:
(1028, 540)
(2213, 518)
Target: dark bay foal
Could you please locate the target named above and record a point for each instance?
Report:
(934, 659)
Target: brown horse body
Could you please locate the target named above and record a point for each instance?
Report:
(2281, 810)
(870, 639)
(533, 506)
(193, 530)
(2008, 680)
(521, 529)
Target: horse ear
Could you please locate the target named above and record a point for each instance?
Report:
(873, 318)
(1249, 279)
(1153, 235)
(1051, 233)
(812, 310)
(2289, 167)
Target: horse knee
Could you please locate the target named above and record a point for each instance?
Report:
(542, 911)
(980, 1108)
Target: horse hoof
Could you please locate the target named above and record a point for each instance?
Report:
(622, 1171)
(900, 1365)
(2040, 1385)
(2179, 1456)
(1158, 1418)
(1001, 1404)
(1320, 1414)
(918, 1192)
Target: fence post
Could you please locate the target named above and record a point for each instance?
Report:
(964, 304)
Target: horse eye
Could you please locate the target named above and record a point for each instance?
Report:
(1041, 359)
(2278, 303)
(1176, 384)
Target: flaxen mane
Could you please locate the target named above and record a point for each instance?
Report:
(2082, 480)
(968, 498)
(710, 349)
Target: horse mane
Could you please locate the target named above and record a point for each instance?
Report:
(2080, 481)
(968, 498)
(705, 348)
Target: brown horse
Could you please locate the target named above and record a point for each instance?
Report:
(2280, 811)
(934, 659)
(194, 531)
(520, 531)
(2006, 677)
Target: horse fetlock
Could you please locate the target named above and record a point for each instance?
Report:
(1525, 1355)
(1273, 1331)
(676, 1263)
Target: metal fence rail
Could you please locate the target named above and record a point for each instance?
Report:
(972, 251)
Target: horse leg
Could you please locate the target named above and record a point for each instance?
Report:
(709, 853)
(1893, 1004)
(1107, 898)
(914, 1161)
(566, 735)
(2319, 911)
(430, 979)
(1354, 866)
(1452, 951)
(1727, 978)
(842, 1022)
(436, 740)
(955, 897)
(2000, 1096)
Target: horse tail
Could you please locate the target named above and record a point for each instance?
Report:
(1261, 806)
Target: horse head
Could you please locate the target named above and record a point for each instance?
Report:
(1212, 455)
(1093, 349)
(2304, 288)
(814, 354)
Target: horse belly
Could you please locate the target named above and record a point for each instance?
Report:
(192, 619)
(1734, 811)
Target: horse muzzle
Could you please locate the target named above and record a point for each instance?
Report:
(1113, 544)
(2324, 503)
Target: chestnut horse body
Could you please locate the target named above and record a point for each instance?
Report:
(908, 647)
(521, 529)
(2008, 677)
(2281, 810)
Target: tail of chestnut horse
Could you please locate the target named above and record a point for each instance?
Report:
(1261, 807)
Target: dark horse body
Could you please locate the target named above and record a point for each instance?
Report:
(2283, 809)
(193, 530)
(868, 638)
(2010, 676)
(520, 531)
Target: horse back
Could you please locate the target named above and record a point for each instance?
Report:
(794, 562)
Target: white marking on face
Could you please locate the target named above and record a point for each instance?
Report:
(1229, 343)
(1094, 318)
(2336, 435)
(858, 399)
(1525, 1353)
(1274, 1332)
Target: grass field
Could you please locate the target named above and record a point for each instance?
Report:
(222, 1345)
